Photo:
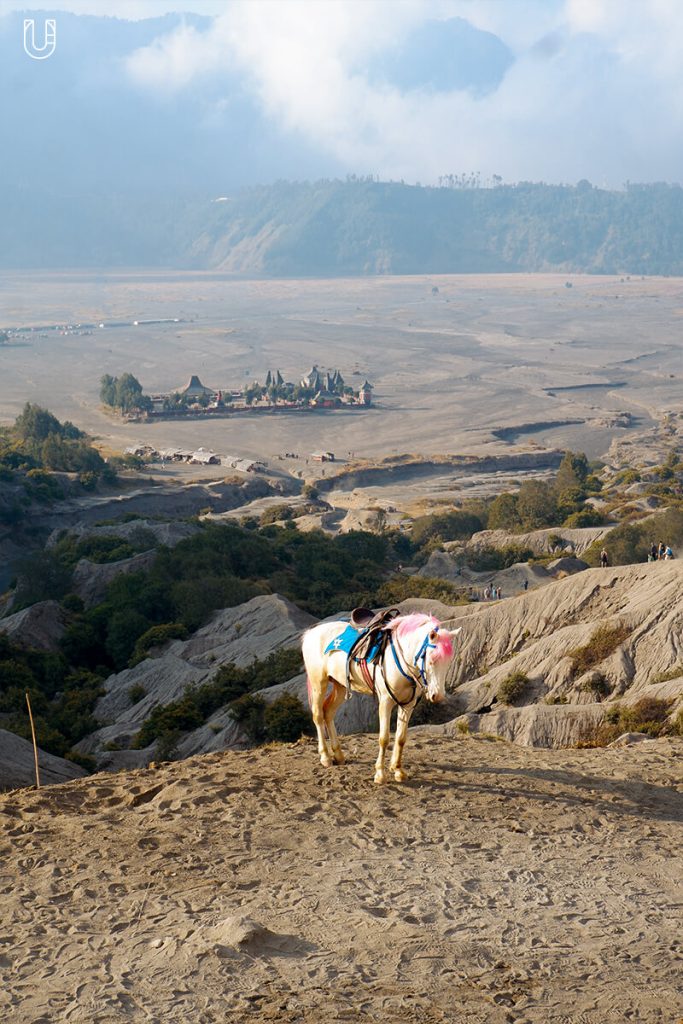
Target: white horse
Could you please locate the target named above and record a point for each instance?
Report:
(414, 663)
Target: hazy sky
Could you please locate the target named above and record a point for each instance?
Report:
(560, 89)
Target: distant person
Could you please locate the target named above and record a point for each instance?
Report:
(525, 585)
(604, 559)
(661, 551)
(654, 552)
(500, 593)
(668, 554)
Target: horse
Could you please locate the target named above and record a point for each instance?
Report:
(414, 662)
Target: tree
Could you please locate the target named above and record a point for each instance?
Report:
(108, 389)
(536, 504)
(124, 392)
(572, 472)
(503, 513)
(129, 393)
(36, 424)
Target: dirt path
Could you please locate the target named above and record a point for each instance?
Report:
(500, 884)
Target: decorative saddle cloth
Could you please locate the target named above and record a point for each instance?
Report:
(347, 640)
(363, 640)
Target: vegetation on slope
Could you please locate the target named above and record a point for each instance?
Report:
(370, 227)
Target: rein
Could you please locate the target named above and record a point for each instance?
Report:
(418, 662)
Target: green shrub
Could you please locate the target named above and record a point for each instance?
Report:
(513, 688)
(286, 719)
(664, 677)
(597, 684)
(249, 712)
(488, 559)
(602, 643)
(649, 716)
(136, 693)
(155, 637)
(276, 514)
(630, 542)
(166, 748)
(584, 517)
(228, 686)
(444, 526)
(400, 588)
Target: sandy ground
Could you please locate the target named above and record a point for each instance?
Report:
(499, 885)
(485, 352)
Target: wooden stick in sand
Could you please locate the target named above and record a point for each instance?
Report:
(35, 745)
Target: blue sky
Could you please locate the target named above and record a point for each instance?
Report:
(555, 90)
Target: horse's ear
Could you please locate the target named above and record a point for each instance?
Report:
(455, 632)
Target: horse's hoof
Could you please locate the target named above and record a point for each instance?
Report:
(326, 760)
(339, 757)
(380, 778)
(400, 775)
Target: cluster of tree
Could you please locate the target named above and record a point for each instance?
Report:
(62, 698)
(39, 442)
(537, 504)
(222, 566)
(124, 393)
(540, 503)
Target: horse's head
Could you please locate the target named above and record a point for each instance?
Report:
(439, 654)
(432, 652)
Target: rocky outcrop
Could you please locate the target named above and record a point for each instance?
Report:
(537, 725)
(556, 540)
(91, 579)
(238, 635)
(17, 764)
(410, 467)
(566, 566)
(221, 732)
(169, 534)
(443, 565)
(536, 633)
(41, 626)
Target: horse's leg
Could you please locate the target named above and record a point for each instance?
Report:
(330, 708)
(385, 703)
(402, 720)
(317, 689)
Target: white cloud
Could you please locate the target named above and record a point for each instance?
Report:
(598, 99)
(130, 10)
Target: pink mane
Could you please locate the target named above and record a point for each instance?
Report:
(418, 620)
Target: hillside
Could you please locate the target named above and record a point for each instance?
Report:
(356, 227)
(500, 884)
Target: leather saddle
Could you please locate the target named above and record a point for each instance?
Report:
(371, 625)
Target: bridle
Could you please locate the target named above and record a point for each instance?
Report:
(419, 663)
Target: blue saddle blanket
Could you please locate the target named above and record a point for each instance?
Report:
(345, 641)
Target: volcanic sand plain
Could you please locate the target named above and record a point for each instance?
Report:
(499, 885)
(452, 358)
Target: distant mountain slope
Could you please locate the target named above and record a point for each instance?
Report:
(330, 228)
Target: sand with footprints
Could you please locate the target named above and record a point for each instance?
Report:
(499, 884)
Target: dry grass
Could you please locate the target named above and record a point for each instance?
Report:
(649, 716)
(602, 643)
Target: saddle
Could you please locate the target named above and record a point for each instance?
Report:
(372, 637)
